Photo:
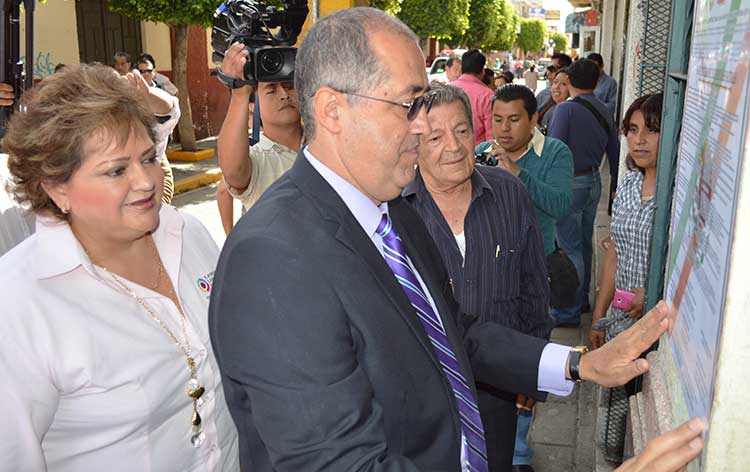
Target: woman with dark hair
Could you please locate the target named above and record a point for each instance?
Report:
(559, 93)
(623, 278)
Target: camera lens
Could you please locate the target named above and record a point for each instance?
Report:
(271, 62)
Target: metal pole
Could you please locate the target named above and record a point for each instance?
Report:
(29, 6)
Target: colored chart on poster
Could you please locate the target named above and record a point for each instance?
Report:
(711, 150)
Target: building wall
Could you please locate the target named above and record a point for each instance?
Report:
(156, 40)
(55, 36)
(56, 40)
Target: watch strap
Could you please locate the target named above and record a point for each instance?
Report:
(574, 362)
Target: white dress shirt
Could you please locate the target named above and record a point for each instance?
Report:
(91, 381)
(551, 375)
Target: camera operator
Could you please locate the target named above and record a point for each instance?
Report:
(249, 171)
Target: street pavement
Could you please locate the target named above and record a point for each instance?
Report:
(563, 432)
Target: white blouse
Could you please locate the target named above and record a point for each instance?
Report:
(90, 380)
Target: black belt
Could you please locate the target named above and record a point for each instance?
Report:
(588, 171)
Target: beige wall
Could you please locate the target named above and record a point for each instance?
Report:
(155, 39)
(55, 36)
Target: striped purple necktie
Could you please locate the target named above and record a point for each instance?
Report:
(471, 423)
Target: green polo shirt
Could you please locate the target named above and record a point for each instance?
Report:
(547, 173)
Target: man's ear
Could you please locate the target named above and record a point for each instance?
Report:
(58, 193)
(534, 119)
(328, 105)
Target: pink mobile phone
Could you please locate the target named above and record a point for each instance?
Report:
(622, 299)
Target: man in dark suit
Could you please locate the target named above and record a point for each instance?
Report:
(340, 344)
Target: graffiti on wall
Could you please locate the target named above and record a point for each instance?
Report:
(44, 66)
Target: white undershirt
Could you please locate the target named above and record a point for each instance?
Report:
(461, 241)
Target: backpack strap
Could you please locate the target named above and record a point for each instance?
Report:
(592, 109)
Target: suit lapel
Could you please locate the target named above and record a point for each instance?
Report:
(350, 234)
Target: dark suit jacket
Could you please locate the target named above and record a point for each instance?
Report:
(325, 364)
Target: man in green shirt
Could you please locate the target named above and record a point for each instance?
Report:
(544, 164)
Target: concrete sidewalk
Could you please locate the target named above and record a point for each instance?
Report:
(563, 431)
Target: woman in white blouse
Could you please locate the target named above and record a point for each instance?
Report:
(104, 347)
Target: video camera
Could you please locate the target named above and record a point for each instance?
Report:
(250, 22)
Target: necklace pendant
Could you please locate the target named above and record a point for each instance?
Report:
(196, 393)
(197, 439)
(196, 419)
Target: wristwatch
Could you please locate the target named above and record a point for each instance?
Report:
(574, 361)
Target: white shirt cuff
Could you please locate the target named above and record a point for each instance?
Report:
(551, 377)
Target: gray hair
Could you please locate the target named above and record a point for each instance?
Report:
(336, 53)
(122, 54)
(447, 94)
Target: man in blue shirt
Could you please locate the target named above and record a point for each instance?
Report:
(606, 87)
(586, 126)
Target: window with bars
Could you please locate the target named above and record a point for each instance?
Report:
(673, 82)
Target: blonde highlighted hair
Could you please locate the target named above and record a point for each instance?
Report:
(46, 140)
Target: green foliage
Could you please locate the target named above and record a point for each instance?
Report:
(171, 12)
(560, 40)
(439, 19)
(531, 37)
(392, 7)
(506, 30)
(484, 18)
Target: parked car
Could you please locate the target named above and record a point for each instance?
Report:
(438, 65)
(541, 66)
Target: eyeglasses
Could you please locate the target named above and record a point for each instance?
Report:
(412, 106)
(143, 71)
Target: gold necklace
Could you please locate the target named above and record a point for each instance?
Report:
(194, 389)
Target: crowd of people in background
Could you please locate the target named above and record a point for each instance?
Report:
(353, 317)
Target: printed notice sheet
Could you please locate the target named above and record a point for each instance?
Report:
(711, 150)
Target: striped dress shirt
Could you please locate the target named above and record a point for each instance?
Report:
(503, 277)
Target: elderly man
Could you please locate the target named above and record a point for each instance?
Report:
(332, 317)
(483, 223)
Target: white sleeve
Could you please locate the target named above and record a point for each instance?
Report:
(551, 376)
(28, 407)
(164, 126)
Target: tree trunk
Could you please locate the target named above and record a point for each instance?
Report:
(179, 74)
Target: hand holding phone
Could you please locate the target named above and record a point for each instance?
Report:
(622, 299)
